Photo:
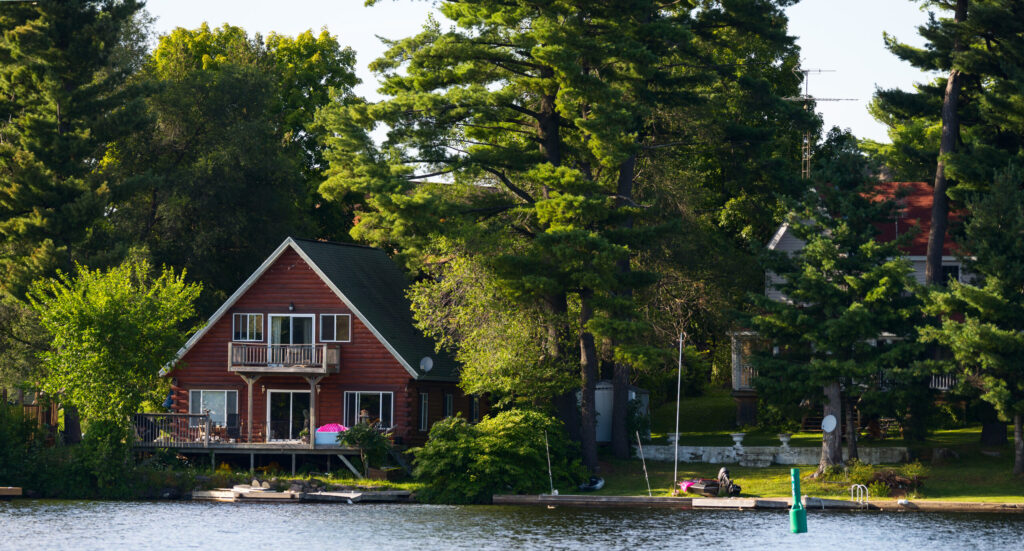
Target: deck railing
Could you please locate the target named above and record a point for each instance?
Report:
(171, 430)
(942, 382)
(242, 355)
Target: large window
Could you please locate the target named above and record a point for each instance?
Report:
(335, 328)
(424, 412)
(222, 405)
(369, 407)
(247, 327)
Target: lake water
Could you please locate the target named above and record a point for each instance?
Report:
(86, 525)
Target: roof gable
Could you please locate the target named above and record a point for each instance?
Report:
(371, 285)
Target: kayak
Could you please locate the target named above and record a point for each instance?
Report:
(595, 483)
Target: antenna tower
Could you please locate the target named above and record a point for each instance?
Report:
(807, 98)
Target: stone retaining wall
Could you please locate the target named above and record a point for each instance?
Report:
(761, 454)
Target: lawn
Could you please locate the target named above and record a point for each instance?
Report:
(974, 476)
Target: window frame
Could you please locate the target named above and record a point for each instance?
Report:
(424, 412)
(474, 409)
(249, 326)
(334, 317)
(356, 393)
(195, 406)
(448, 408)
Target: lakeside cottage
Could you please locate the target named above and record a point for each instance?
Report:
(914, 201)
(321, 333)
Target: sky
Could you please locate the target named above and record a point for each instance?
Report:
(844, 36)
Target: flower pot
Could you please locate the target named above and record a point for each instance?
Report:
(737, 437)
(784, 438)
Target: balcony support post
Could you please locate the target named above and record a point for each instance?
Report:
(249, 380)
(313, 398)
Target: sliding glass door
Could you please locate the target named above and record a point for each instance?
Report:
(291, 339)
(287, 413)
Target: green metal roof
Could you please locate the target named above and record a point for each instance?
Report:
(375, 286)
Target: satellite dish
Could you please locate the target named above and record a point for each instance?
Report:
(828, 424)
(426, 364)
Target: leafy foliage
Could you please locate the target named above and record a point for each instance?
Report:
(229, 163)
(464, 463)
(373, 444)
(111, 333)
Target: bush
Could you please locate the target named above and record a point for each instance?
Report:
(463, 463)
(372, 443)
(879, 489)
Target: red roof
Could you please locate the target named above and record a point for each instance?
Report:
(915, 211)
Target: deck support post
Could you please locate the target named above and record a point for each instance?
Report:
(252, 462)
(293, 464)
(313, 398)
(249, 380)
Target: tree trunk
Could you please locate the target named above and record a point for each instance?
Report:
(1018, 445)
(621, 439)
(947, 145)
(852, 430)
(993, 433)
(567, 404)
(589, 368)
(831, 442)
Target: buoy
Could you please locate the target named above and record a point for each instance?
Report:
(797, 514)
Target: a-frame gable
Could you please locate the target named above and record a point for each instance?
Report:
(288, 243)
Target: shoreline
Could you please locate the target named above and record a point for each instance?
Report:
(758, 503)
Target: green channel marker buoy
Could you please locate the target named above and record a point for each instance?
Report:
(797, 515)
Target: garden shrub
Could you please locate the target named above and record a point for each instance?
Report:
(373, 444)
(463, 463)
(879, 489)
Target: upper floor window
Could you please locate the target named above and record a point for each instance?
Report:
(247, 327)
(335, 327)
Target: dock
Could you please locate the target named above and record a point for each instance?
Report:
(756, 503)
(9, 492)
(245, 494)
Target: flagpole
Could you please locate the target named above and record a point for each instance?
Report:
(679, 388)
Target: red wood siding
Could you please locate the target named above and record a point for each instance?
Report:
(365, 363)
(461, 404)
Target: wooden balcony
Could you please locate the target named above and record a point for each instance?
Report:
(283, 359)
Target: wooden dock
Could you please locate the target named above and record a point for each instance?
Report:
(10, 491)
(594, 501)
(240, 494)
(755, 503)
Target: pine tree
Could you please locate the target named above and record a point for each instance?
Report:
(848, 313)
(967, 125)
(62, 102)
(983, 322)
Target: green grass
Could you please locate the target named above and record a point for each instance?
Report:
(973, 476)
(714, 411)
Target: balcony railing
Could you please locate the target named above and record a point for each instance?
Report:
(284, 358)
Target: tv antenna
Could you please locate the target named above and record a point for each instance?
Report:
(807, 98)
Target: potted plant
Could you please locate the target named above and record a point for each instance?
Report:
(304, 436)
(784, 438)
